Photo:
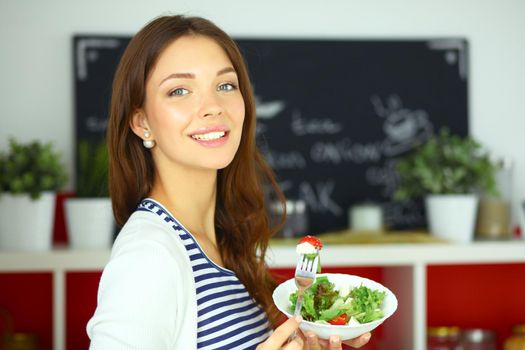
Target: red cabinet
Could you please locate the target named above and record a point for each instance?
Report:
(53, 294)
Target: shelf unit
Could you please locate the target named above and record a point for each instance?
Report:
(404, 272)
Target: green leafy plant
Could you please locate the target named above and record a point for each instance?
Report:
(445, 164)
(31, 168)
(92, 167)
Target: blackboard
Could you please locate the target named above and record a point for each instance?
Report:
(333, 115)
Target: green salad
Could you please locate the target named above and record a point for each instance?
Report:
(322, 303)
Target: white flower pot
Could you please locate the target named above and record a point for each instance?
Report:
(452, 216)
(26, 224)
(90, 223)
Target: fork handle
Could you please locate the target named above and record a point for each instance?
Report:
(299, 302)
(298, 305)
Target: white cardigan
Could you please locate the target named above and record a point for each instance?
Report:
(146, 296)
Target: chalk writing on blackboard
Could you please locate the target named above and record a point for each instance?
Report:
(313, 126)
(96, 124)
(268, 110)
(455, 53)
(332, 115)
(404, 128)
(88, 50)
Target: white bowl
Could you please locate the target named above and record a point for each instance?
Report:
(281, 296)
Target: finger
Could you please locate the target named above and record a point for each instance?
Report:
(296, 344)
(312, 341)
(358, 342)
(281, 334)
(334, 343)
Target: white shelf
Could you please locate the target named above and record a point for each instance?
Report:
(404, 272)
(407, 254)
(285, 256)
(57, 259)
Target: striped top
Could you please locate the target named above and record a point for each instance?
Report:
(227, 317)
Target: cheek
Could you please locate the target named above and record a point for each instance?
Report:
(166, 118)
(237, 111)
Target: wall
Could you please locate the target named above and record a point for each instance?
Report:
(36, 67)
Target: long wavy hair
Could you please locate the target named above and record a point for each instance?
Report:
(242, 224)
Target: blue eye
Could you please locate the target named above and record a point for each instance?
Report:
(179, 92)
(227, 87)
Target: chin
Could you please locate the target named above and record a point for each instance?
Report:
(219, 164)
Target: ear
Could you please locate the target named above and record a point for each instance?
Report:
(139, 123)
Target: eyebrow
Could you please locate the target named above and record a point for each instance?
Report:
(192, 76)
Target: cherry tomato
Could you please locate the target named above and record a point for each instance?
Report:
(339, 320)
(316, 242)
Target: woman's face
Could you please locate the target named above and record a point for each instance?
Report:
(193, 108)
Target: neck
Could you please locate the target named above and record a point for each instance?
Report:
(190, 195)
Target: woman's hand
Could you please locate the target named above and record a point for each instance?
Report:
(314, 343)
(279, 338)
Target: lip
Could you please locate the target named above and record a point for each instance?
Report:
(212, 143)
(209, 129)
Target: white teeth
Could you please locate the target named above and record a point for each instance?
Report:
(209, 136)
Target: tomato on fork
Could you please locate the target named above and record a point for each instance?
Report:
(314, 241)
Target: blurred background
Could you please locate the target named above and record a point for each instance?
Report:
(37, 100)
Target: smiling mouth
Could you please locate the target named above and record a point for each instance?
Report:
(211, 136)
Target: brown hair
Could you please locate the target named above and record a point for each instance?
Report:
(242, 225)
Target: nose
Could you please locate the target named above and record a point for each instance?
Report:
(214, 113)
(210, 106)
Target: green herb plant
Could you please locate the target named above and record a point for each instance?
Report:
(92, 168)
(31, 168)
(445, 164)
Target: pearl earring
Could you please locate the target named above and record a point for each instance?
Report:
(148, 143)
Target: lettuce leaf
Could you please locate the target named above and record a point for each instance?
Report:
(319, 297)
(322, 302)
(366, 304)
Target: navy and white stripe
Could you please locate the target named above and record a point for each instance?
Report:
(227, 317)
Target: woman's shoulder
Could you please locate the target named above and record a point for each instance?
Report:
(146, 229)
(148, 283)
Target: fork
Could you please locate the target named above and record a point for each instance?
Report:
(304, 278)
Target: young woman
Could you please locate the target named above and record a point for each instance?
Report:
(187, 270)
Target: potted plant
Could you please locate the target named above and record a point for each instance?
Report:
(450, 172)
(30, 174)
(89, 215)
